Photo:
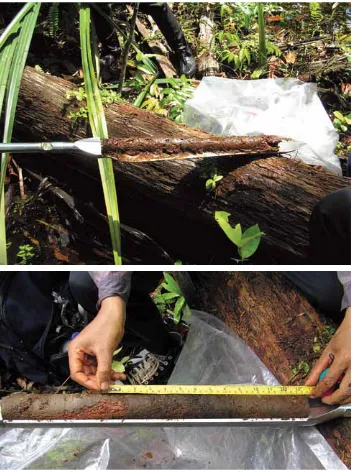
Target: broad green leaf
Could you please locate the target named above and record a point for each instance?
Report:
(250, 233)
(118, 366)
(249, 248)
(234, 234)
(339, 115)
(125, 359)
(117, 351)
(218, 178)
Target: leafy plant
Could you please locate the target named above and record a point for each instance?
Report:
(99, 128)
(25, 254)
(119, 365)
(302, 367)
(342, 122)
(211, 183)
(14, 45)
(164, 96)
(53, 19)
(171, 299)
(247, 242)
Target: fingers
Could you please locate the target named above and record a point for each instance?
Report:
(78, 369)
(118, 376)
(318, 368)
(104, 370)
(343, 394)
(334, 374)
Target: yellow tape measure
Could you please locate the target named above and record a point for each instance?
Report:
(235, 389)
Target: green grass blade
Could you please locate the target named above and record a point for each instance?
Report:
(99, 128)
(24, 25)
(262, 36)
(5, 64)
(15, 24)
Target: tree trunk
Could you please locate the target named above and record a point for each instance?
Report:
(207, 64)
(141, 406)
(277, 193)
(277, 323)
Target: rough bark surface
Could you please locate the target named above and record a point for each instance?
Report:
(277, 193)
(276, 322)
(136, 406)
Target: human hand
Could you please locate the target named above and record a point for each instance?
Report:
(336, 357)
(91, 352)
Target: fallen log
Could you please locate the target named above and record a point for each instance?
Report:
(277, 193)
(277, 323)
(141, 406)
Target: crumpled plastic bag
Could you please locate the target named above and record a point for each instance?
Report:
(288, 108)
(212, 355)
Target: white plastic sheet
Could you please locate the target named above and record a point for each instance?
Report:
(211, 355)
(288, 108)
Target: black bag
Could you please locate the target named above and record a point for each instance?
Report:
(38, 316)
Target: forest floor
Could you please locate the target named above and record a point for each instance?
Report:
(305, 41)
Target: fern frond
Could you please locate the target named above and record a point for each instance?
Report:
(53, 19)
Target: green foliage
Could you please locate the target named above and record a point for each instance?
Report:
(165, 97)
(99, 128)
(247, 242)
(169, 298)
(119, 365)
(25, 254)
(14, 45)
(302, 367)
(211, 183)
(53, 19)
(342, 122)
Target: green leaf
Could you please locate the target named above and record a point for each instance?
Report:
(234, 234)
(118, 366)
(125, 359)
(171, 285)
(250, 234)
(99, 128)
(339, 115)
(249, 248)
(218, 178)
(169, 296)
(11, 72)
(179, 305)
(117, 351)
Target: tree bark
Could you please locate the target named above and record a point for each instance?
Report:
(141, 406)
(207, 64)
(277, 193)
(277, 323)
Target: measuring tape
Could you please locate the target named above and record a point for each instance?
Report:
(235, 389)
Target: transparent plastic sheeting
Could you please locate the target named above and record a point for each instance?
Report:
(212, 355)
(288, 108)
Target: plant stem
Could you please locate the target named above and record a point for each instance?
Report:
(127, 48)
(262, 37)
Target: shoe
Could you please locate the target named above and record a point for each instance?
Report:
(150, 368)
(185, 62)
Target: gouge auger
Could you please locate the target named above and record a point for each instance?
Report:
(184, 410)
(155, 149)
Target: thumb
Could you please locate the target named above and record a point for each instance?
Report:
(104, 370)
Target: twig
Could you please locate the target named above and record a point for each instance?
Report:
(20, 180)
(60, 387)
(127, 48)
(295, 317)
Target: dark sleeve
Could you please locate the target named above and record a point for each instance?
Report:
(112, 283)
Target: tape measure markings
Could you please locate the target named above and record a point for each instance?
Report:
(245, 390)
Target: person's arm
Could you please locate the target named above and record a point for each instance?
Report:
(112, 283)
(91, 352)
(336, 357)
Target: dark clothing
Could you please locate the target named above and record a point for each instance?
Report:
(330, 229)
(324, 290)
(31, 324)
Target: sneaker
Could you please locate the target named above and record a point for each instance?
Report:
(150, 368)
